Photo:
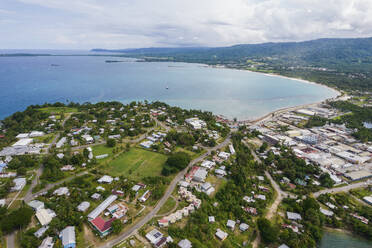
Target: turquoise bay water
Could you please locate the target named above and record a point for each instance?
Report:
(233, 93)
(342, 240)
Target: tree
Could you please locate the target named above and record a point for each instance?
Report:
(117, 226)
(86, 153)
(325, 180)
(176, 162)
(269, 233)
(111, 142)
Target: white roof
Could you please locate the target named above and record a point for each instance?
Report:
(221, 234)
(185, 243)
(154, 236)
(105, 179)
(293, 216)
(44, 216)
(47, 243)
(68, 235)
(101, 207)
(83, 206)
(22, 135)
(230, 223)
(35, 204)
(23, 142)
(136, 187)
(243, 227)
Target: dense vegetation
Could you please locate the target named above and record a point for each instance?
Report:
(227, 203)
(176, 162)
(343, 218)
(356, 120)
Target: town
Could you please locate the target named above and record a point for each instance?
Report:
(151, 175)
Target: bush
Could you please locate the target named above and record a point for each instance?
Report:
(111, 142)
(175, 163)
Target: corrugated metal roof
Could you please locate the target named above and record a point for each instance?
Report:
(101, 207)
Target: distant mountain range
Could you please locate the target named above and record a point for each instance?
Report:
(342, 63)
(357, 50)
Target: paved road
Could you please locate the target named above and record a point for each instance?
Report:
(343, 189)
(165, 197)
(10, 239)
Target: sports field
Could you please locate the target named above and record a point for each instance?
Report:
(137, 164)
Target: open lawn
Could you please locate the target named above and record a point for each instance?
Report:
(137, 164)
(58, 110)
(102, 149)
(168, 206)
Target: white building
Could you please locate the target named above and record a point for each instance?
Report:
(100, 208)
(19, 183)
(105, 179)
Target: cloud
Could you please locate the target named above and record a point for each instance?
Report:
(84, 24)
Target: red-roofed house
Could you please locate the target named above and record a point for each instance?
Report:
(102, 226)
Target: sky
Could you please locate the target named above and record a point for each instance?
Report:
(86, 24)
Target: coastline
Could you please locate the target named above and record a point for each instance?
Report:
(286, 109)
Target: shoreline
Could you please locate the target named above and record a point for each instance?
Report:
(285, 109)
(256, 120)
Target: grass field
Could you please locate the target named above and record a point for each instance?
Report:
(137, 164)
(58, 110)
(102, 149)
(168, 206)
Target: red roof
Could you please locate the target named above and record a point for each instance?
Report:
(101, 224)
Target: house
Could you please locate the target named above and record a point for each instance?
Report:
(19, 183)
(293, 216)
(163, 222)
(283, 246)
(207, 188)
(221, 234)
(261, 197)
(36, 205)
(185, 243)
(243, 227)
(87, 138)
(368, 199)
(61, 142)
(47, 243)
(83, 206)
(102, 226)
(45, 216)
(96, 196)
(147, 144)
(60, 155)
(61, 191)
(195, 123)
(2, 202)
(326, 212)
(145, 196)
(208, 164)
(156, 238)
(105, 179)
(68, 168)
(41, 231)
(211, 219)
(136, 188)
(67, 236)
(100, 208)
(200, 175)
(231, 224)
(232, 150)
(224, 155)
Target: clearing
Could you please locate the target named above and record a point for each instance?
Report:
(137, 164)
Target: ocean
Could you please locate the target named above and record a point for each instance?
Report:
(244, 95)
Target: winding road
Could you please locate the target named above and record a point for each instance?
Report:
(132, 230)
